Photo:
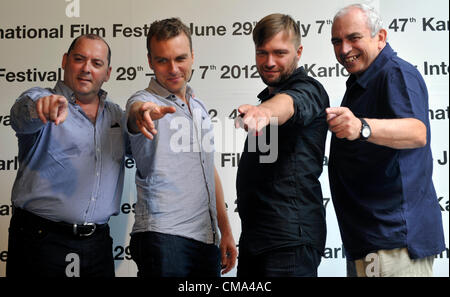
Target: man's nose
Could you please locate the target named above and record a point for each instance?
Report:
(173, 67)
(86, 67)
(270, 62)
(346, 48)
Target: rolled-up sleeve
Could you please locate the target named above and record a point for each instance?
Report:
(309, 102)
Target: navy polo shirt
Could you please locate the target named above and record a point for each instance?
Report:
(385, 198)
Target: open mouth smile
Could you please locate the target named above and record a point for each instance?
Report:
(351, 59)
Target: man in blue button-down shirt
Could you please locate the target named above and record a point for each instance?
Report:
(70, 178)
(180, 203)
(381, 166)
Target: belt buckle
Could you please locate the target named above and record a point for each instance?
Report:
(92, 225)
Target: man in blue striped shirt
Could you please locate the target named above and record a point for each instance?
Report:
(70, 178)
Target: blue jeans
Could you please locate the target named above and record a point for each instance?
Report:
(299, 261)
(164, 255)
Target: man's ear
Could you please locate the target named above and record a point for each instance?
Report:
(149, 58)
(299, 51)
(382, 36)
(64, 61)
(108, 74)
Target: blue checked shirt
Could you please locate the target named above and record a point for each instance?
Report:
(175, 170)
(73, 172)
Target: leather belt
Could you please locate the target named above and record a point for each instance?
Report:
(79, 230)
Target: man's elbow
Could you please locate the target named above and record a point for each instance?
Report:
(420, 143)
(421, 137)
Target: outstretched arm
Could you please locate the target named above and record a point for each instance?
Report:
(256, 117)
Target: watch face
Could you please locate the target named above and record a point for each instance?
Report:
(365, 132)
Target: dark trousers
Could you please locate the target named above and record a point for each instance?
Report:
(164, 255)
(37, 250)
(300, 261)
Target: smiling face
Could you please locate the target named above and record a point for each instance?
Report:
(171, 60)
(86, 68)
(277, 58)
(353, 44)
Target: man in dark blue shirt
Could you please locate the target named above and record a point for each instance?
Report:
(380, 166)
(279, 196)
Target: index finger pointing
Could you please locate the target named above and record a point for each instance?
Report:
(243, 108)
(147, 119)
(167, 109)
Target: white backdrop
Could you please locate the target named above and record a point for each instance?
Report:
(35, 34)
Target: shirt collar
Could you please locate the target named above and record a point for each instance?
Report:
(155, 87)
(386, 54)
(67, 92)
(265, 94)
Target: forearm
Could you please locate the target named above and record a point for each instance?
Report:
(398, 133)
(281, 106)
(132, 110)
(222, 217)
(228, 248)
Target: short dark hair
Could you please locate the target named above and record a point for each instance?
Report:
(92, 37)
(166, 29)
(272, 24)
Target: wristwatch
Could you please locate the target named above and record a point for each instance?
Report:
(365, 131)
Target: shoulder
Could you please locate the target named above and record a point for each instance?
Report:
(145, 95)
(301, 85)
(400, 71)
(141, 94)
(301, 80)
